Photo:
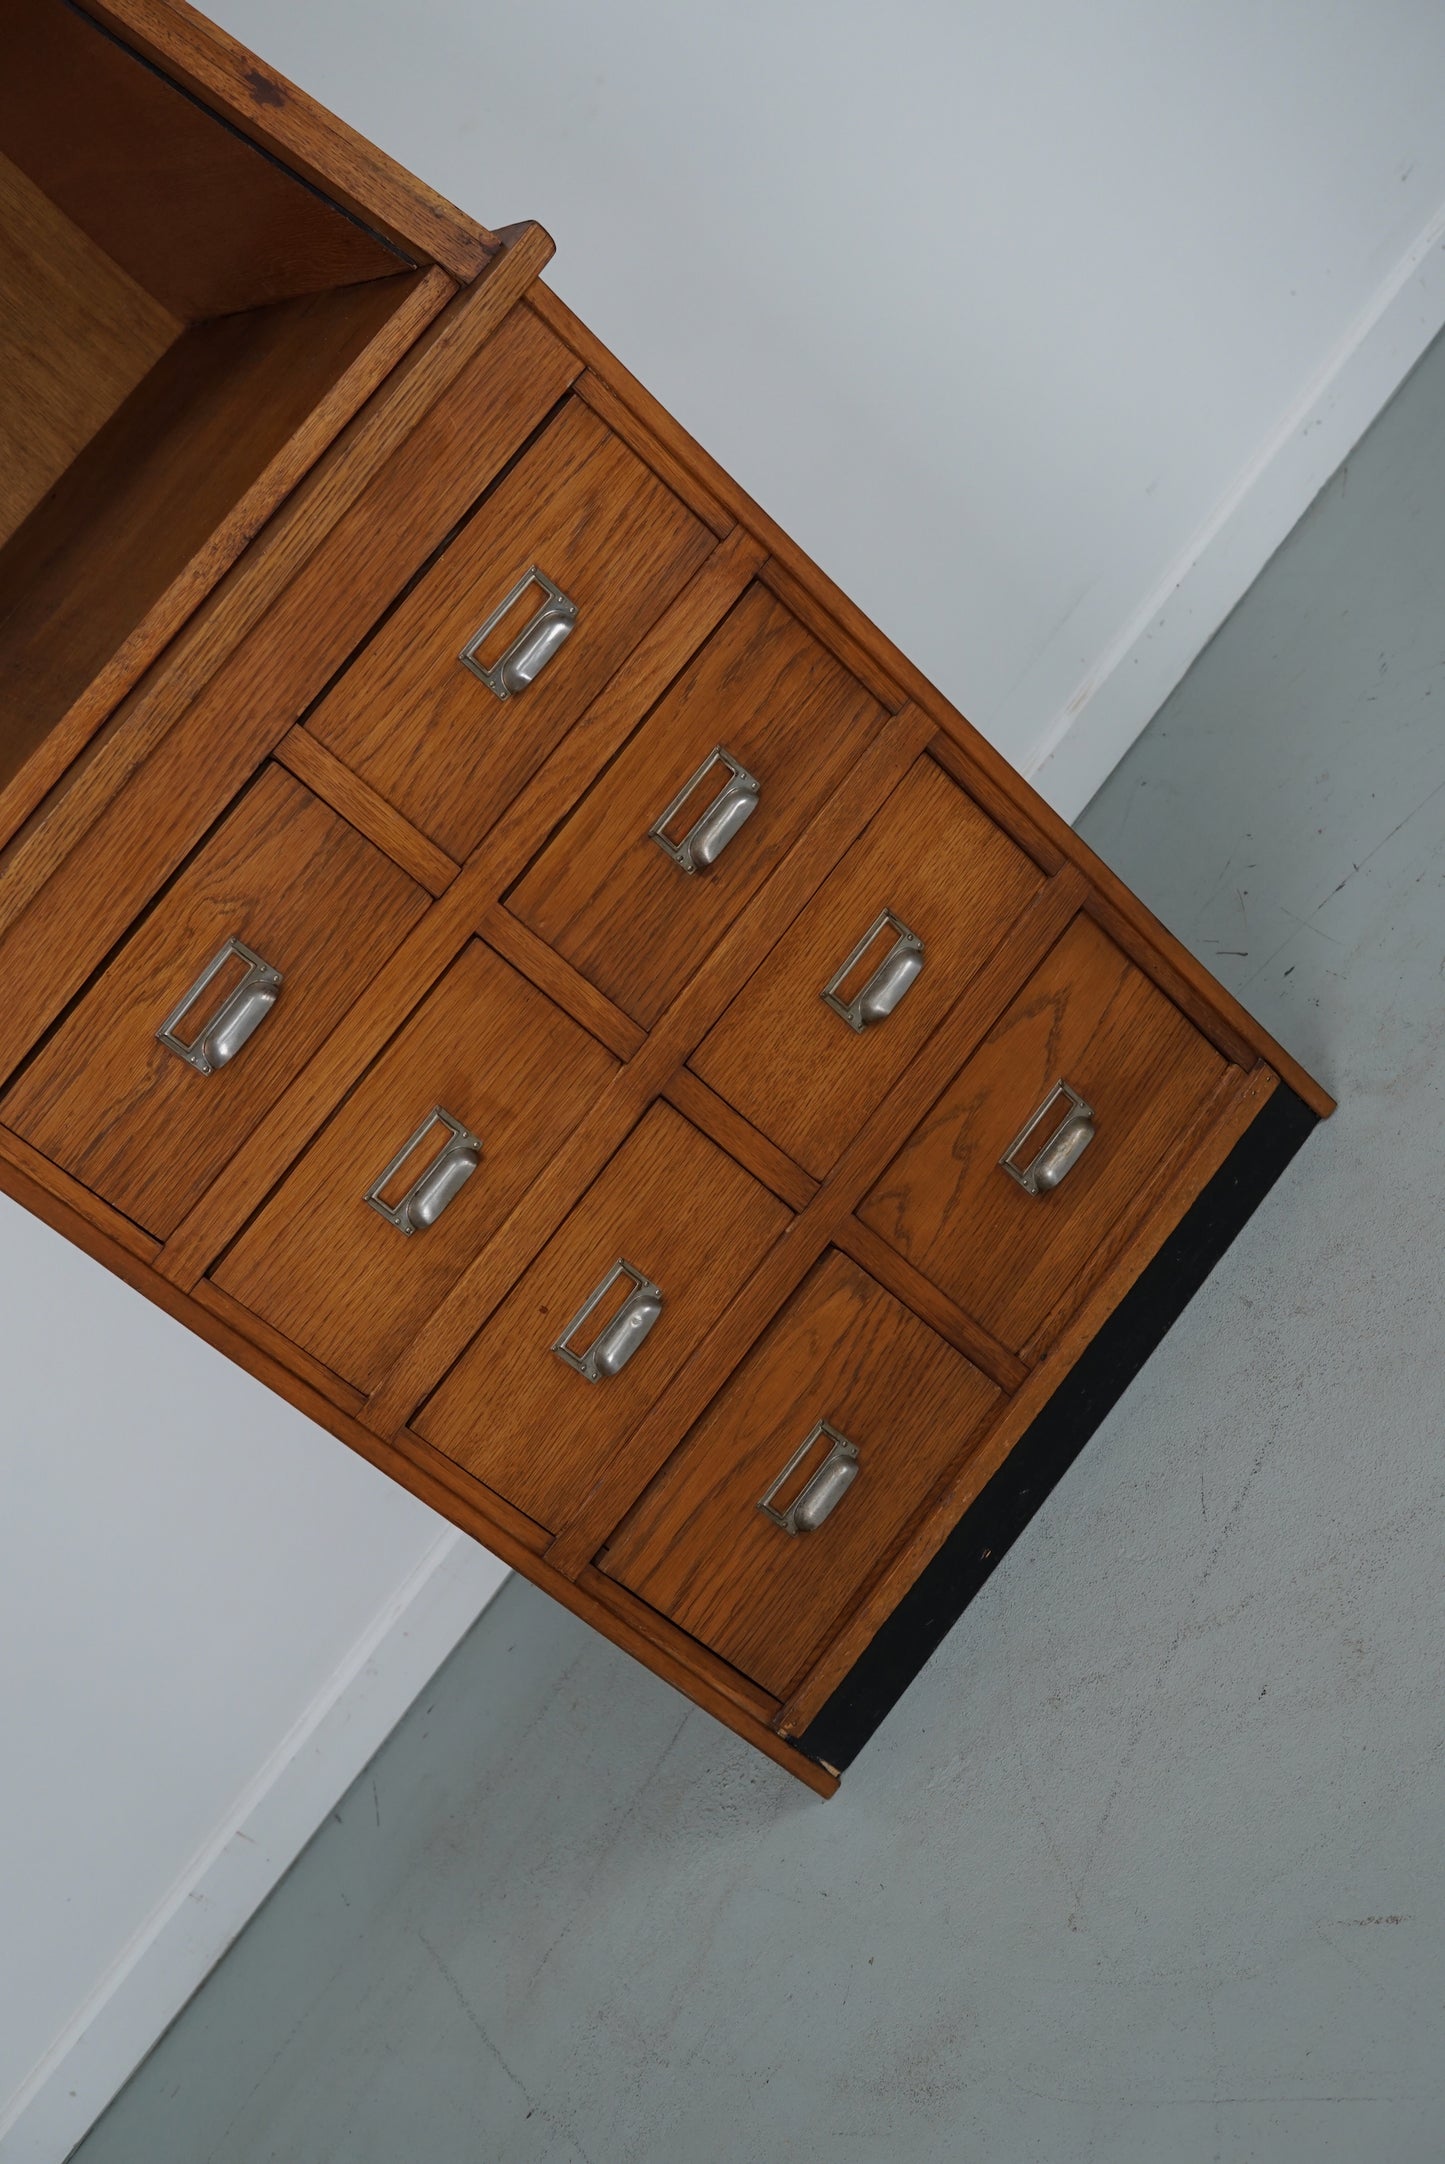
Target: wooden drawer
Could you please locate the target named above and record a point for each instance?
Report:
(132, 1118)
(584, 511)
(606, 894)
(699, 1547)
(1017, 1260)
(332, 1272)
(807, 1074)
(523, 1420)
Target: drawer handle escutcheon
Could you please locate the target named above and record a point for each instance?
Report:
(238, 1017)
(1058, 1155)
(900, 967)
(820, 1497)
(534, 645)
(433, 1189)
(709, 834)
(618, 1340)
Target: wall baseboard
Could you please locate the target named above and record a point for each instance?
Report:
(1134, 675)
(265, 1830)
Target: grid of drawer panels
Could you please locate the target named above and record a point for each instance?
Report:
(574, 553)
(761, 728)
(484, 1081)
(834, 1429)
(313, 904)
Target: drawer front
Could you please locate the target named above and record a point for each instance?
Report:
(1093, 1022)
(423, 728)
(691, 1223)
(609, 896)
(134, 1118)
(702, 1548)
(335, 1274)
(930, 868)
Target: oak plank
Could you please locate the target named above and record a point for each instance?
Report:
(898, 1276)
(108, 1102)
(697, 1546)
(1087, 1018)
(165, 496)
(618, 1484)
(455, 1322)
(748, 1144)
(577, 506)
(511, 1411)
(190, 208)
(283, 119)
(413, 1465)
(982, 769)
(786, 1059)
(330, 1272)
(323, 773)
(560, 981)
(1213, 1144)
(246, 708)
(430, 366)
(245, 1183)
(607, 896)
(76, 337)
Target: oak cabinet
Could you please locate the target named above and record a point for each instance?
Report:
(493, 939)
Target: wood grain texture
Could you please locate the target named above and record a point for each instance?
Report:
(602, 1508)
(169, 491)
(322, 1267)
(608, 897)
(790, 1063)
(520, 1418)
(898, 1276)
(560, 981)
(77, 1203)
(422, 729)
(1093, 1020)
(430, 365)
(307, 758)
(1211, 1145)
(748, 1144)
(699, 1549)
(516, 837)
(248, 1325)
(623, 422)
(496, 1269)
(171, 798)
(76, 337)
(202, 58)
(983, 770)
(189, 208)
(668, 1653)
(125, 1114)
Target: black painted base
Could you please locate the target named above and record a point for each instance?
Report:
(1041, 1457)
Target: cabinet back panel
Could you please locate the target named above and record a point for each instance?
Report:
(184, 203)
(148, 491)
(76, 337)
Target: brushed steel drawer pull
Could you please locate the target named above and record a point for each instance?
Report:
(821, 1495)
(885, 986)
(438, 1184)
(617, 1340)
(534, 645)
(238, 1017)
(1064, 1144)
(709, 834)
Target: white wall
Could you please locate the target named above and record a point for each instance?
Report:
(211, 1614)
(1037, 322)
(1039, 325)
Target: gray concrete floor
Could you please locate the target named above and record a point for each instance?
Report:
(1147, 1867)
